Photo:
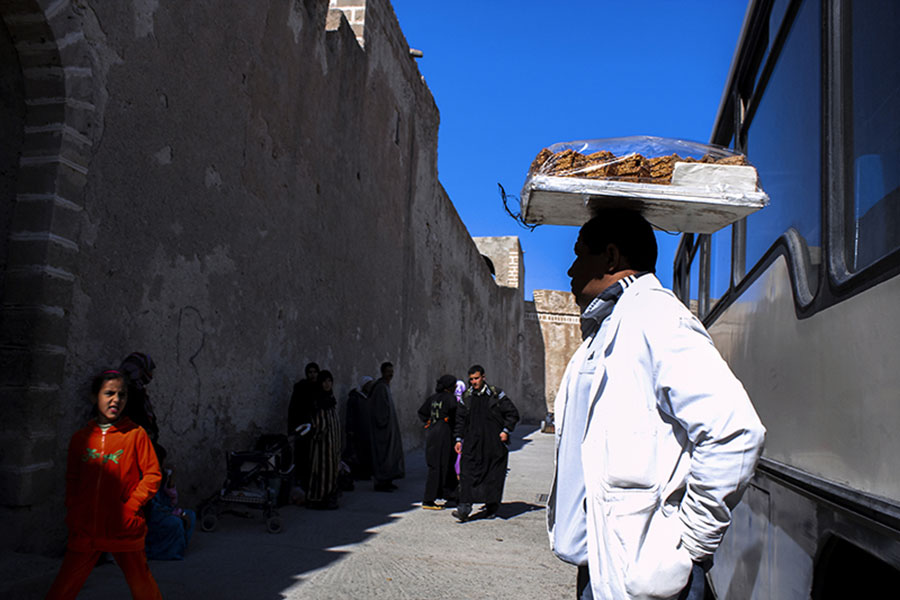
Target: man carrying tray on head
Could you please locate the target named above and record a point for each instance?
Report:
(655, 437)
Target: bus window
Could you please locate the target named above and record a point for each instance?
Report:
(776, 17)
(694, 293)
(719, 265)
(784, 140)
(873, 130)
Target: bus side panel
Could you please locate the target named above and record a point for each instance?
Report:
(825, 387)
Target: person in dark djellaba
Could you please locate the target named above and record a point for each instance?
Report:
(301, 411)
(438, 413)
(387, 447)
(484, 420)
(325, 455)
(358, 429)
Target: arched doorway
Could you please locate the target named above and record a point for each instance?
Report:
(47, 113)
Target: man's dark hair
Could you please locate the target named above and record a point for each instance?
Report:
(311, 365)
(385, 366)
(476, 369)
(628, 231)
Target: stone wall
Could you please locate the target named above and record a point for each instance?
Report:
(505, 254)
(236, 189)
(554, 318)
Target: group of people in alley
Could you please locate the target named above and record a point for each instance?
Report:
(466, 440)
(656, 440)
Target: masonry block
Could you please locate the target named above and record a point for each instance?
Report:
(70, 185)
(33, 215)
(25, 326)
(42, 143)
(80, 85)
(38, 115)
(27, 29)
(20, 366)
(80, 116)
(39, 55)
(26, 287)
(43, 252)
(44, 82)
(38, 178)
(19, 448)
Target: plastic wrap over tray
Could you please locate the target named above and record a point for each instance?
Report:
(676, 184)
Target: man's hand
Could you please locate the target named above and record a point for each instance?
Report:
(458, 447)
(504, 437)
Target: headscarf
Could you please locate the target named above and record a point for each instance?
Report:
(139, 368)
(325, 400)
(460, 388)
(445, 382)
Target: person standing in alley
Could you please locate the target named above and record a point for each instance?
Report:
(387, 447)
(300, 411)
(655, 437)
(484, 421)
(358, 428)
(438, 413)
(112, 472)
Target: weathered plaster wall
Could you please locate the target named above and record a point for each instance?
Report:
(555, 319)
(505, 253)
(260, 192)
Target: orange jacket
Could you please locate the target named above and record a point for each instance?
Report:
(111, 474)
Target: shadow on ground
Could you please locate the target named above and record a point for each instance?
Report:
(240, 559)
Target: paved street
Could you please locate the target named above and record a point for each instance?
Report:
(376, 545)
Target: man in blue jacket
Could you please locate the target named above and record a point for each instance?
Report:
(655, 437)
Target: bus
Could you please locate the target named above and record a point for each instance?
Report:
(803, 299)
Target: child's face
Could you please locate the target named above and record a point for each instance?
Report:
(111, 400)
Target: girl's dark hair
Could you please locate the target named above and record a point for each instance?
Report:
(323, 375)
(107, 375)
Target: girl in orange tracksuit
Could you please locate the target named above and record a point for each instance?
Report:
(112, 472)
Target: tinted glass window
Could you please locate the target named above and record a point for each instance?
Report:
(784, 140)
(695, 279)
(776, 16)
(873, 139)
(719, 264)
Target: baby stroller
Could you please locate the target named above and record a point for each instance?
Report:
(254, 479)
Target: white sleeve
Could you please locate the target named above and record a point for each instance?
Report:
(696, 387)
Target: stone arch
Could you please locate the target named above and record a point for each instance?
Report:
(42, 247)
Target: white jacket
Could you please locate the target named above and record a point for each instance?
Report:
(670, 443)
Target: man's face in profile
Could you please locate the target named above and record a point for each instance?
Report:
(589, 274)
(388, 374)
(476, 380)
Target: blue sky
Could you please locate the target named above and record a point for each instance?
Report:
(510, 78)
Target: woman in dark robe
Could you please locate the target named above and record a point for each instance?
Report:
(358, 449)
(326, 448)
(438, 413)
(388, 462)
(300, 411)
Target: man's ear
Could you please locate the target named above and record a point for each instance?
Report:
(613, 259)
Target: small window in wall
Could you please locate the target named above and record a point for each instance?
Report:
(872, 121)
(784, 140)
(719, 265)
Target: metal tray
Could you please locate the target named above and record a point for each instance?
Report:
(701, 199)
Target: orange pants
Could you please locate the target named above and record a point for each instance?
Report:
(78, 565)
